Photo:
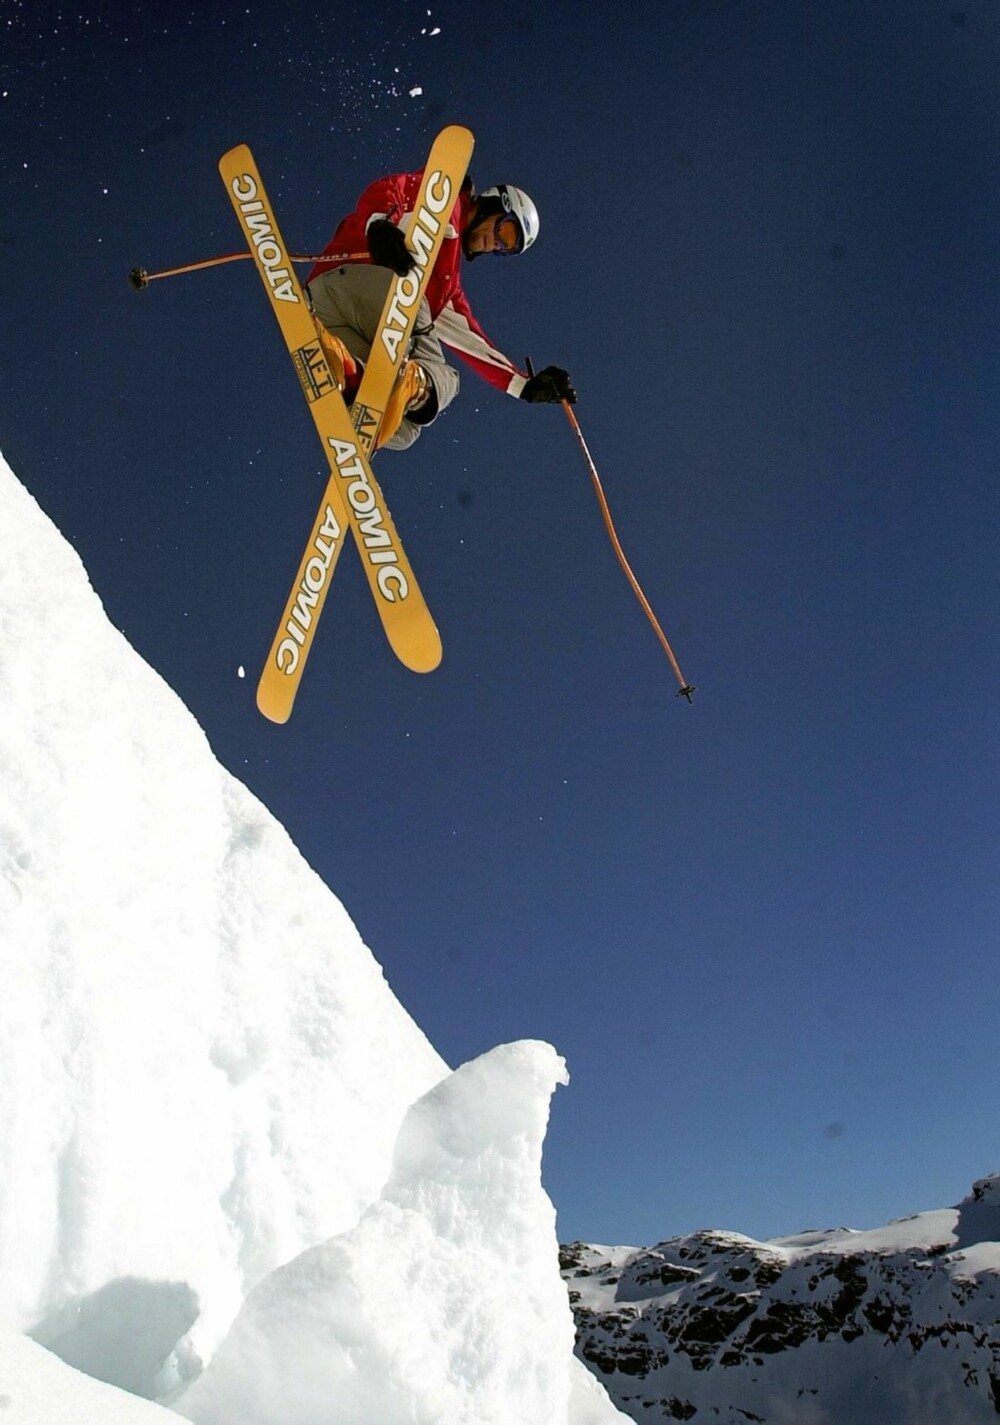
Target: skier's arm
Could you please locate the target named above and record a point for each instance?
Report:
(459, 330)
(381, 207)
(385, 198)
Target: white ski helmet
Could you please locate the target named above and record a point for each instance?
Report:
(514, 202)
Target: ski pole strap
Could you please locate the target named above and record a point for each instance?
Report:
(140, 278)
(686, 690)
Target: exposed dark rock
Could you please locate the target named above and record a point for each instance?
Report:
(881, 1315)
(666, 1275)
(674, 1409)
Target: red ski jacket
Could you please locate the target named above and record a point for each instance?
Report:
(394, 198)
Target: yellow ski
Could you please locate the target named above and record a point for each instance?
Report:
(352, 496)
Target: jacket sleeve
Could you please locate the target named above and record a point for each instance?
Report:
(458, 329)
(385, 198)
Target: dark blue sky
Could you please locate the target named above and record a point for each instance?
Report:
(762, 929)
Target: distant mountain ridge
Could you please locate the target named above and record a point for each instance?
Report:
(896, 1326)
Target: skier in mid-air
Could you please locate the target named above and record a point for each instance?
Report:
(347, 300)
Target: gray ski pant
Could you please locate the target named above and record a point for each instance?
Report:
(348, 301)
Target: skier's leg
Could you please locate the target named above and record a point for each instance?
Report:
(426, 349)
(349, 301)
(426, 384)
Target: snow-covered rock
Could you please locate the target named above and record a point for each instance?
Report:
(897, 1326)
(203, 1075)
(444, 1303)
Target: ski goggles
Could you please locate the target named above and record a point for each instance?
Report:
(510, 238)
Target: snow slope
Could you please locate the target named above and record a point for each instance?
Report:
(184, 1001)
(203, 1072)
(897, 1326)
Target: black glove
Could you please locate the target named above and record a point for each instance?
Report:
(551, 384)
(387, 246)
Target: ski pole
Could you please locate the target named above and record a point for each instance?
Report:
(686, 689)
(140, 278)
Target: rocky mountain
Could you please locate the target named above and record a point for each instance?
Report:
(897, 1326)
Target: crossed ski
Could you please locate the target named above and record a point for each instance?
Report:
(352, 496)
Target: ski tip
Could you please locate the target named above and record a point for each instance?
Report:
(418, 649)
(235, 158)
(425, 660)
(458, 133)
(688, 691)
(275, 708)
